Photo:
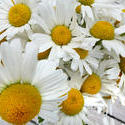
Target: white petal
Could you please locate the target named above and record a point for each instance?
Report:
(29, 62)
(117, 46)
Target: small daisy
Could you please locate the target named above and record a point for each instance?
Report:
(103, 81)
(87, 6)
(28, 88)
(87, 61)
(74, 110)
(16, 16)
(103, 31)
(62, 32)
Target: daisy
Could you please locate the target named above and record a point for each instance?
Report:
(74, 109)
(88, 59)
(103, 81)
(103, 31)
(28, 88)
(87, 6)
(62, 32)
(16, 16)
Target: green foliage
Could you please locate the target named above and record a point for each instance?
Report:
(40, 120)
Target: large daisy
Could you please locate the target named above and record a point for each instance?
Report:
(62, 32)
(28, 88)
(103, 31)
(16, 16)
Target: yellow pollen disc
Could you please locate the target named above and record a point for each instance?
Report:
(74, 103)
(122, 64)
(78, 9)
(19, 103)
(87, 2)
(92, 84)
(44, 55)
(123, 10)
(102, 30)
(61, 35)
(19, 15)
(82, 53)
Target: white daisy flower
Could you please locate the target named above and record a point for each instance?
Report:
(87, 61)
(88, 6)
(28, 88)
(16, 16)
(103, 31)
(73, 110)
(62, 32)
(103, 81)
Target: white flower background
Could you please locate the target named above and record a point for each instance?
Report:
(102, 56)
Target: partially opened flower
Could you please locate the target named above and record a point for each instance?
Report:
(28, 88)
(16, 16)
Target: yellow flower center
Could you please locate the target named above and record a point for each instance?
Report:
(44, 55)
(19, 15)
(61, 35)
(78, 9)
(122, 64)
(81, 52)
(92, 84)
(74, 103)
(87, 2)
(19, 103)
(102, 30)
(123, 10)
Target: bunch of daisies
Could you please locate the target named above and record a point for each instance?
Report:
(60, 59)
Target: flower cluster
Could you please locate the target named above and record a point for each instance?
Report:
(59, 59)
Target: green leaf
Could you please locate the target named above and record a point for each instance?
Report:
(40, 120)
(83, 123)
(123, 34)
